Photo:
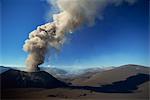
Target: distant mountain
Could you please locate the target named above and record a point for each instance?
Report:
(90, 70)
(82, 74)
(61, 73)
(57, 72)
(20, 79)
(54, 70)
(109, 76)
(66, 75)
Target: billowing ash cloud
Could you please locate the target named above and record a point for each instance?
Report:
(72, 14)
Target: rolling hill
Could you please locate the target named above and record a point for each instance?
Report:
(109, 76)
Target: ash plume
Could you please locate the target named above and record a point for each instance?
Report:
(72, 14)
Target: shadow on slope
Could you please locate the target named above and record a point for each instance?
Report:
(125, 86)
(19, 79)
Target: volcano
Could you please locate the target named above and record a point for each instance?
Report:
(127, 81)
(20, 79)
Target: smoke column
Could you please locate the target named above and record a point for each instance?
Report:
(72, 14)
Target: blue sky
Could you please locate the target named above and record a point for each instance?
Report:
(122, 37)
